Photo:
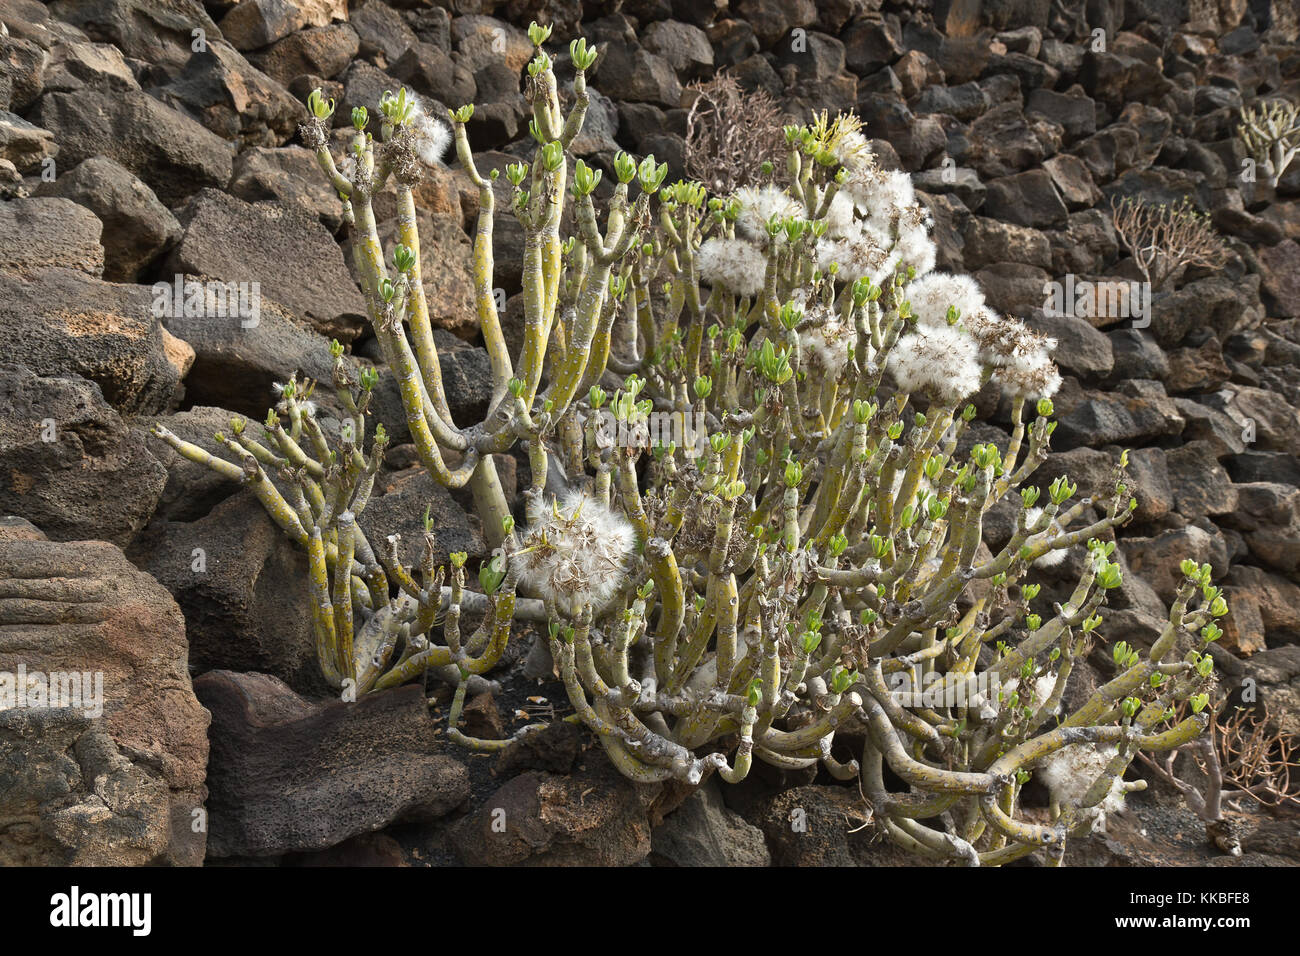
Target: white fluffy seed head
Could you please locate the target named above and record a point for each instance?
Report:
(1052, 558)
(852, 149)
(840, 219)
(880, 195)
(1043, 687)
(758, 204)
(1035, 376)
(735, 263)
(1021, 357)
(577, 554)
(932, 295)
(914, 246)
(431, 137)
(860, 251)
(1071, 771)
(824, 340)
(942, 362)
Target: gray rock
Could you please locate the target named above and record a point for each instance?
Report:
(432, 71)
(153, 31)
(1273, 466)
(118, 788)
(1277, 598)
(965, 102)
(170, 152)
(1076, 114)
(97, 66)
(382, 30)
(1081, 349)
(1201, 485)
(1157, 558)
(1138, 412)
(70, 464)
(1275, 681)
(1003, 143)
(253, 24)
(771, 19)
(57, 321)
(624, 73)
(288, 176)
(236, 364)
(595, 817)
(319, 51)
(24, 76)
(1151, 485)
(290, 254)
(38, 234)
(959, 181)
(287, 774)
(1279, 268)
(480, 38)
(398, 507)
(1073, 182)
(1197, 370)
(686, 47)
(1086, 244)
(1108, 151)
(989, 240)
(1216, 302)
(239, 581)
(23, 144)
(1027, 199)
(234, 99)
(1012, 287)
(1210, 425)
(192, 489)
(1263, 414)
(1116, 79)
(137, 227)
(703, 832)
(916, 139)
(364, 84)
(817, 825)
(1269, 517)
(1136, 355)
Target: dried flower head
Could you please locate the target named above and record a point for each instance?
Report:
(739, 265)
(940, 361)
(758, 204)
(932, 295)
(1021, 357)
(864, 252)
(825, 338)
(577, 554)
(431, 137)
(1071, 771)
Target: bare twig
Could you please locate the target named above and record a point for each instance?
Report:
(1165, 239)
(1261, 763)
(730, 133)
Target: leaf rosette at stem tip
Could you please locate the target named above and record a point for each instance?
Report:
(752, 518)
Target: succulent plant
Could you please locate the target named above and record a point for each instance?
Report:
(816, 563)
